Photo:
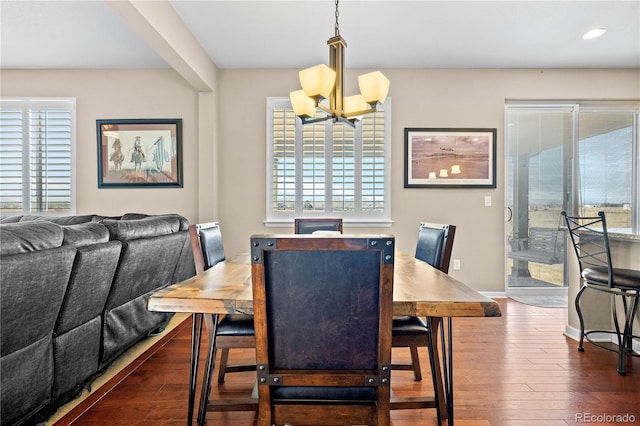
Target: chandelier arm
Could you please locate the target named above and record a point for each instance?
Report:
(316, 120)
(363, 112)
(324, 108)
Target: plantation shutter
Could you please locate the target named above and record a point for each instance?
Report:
(326, 168)
(36, 144)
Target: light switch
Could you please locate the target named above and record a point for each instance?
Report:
(487, 200)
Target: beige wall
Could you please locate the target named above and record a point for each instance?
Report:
(420, 98)
(112, 94)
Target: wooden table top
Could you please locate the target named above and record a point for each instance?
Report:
(419, 290)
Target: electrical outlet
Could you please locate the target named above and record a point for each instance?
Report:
(456, 264)
(487, 200)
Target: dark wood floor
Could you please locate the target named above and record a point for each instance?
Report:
(515, 370)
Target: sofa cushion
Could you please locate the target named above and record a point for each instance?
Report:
(153, 226)
(127, 324)
(27, 380)
(89, 284)
(184, 223)
(29, 237)
(10, 219)
(84, 234)
(60, 220)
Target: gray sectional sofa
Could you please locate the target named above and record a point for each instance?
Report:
(73, 297)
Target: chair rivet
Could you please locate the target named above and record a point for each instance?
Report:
(270, 243)
(256, 258)
(384, 381)
(255, 244)
(389, 242)
(371, 381)
(374, 242)
(263, 380)
(388, 257)
(261, 367)
(275, 380)
(385, 368)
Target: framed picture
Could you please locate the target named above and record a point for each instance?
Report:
(451, 158)
(139, 153)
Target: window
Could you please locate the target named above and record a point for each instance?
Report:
(582, 157)
(36, 156)
(607, 166)
(327, 169)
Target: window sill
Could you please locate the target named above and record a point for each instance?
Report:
(354, 223)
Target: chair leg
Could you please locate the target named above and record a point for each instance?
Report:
(621, 338)
(415, 361)
(625, 339)
(579, 312)
(224, 358)
(629, 323)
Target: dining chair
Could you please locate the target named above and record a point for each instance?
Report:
(590, 239)
(311, 225)
(435, 242)
(323, 309)
(233, 330)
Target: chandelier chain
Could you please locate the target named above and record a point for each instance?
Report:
(337, 14)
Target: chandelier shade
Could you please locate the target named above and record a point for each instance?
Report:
(303, 105)
(374, 87)
(322, 82)
(317, 82)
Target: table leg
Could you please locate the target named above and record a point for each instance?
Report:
(196, 338)
(447, 365)
(212, 323)
(434, 326)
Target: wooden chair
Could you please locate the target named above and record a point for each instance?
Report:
(434, 246)
(311, 225)
(323, 309)
(233, 331)
(590, 240)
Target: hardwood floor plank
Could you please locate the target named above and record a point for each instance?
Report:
(517, 370)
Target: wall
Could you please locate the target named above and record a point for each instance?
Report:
(111, 94)
(420, 98)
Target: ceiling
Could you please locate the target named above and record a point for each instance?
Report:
(293, 34)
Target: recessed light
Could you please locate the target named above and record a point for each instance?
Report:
(597, 32)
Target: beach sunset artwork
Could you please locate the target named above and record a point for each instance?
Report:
(450, 157)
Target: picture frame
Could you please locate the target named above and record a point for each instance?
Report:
(450, 158)
(136, 153)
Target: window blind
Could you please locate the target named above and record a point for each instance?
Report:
(327, 168)
(36, 154)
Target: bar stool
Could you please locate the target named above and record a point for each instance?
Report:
(591, 243)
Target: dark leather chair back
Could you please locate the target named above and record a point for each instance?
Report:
(311, 225)
(435, 243)
(206, 242)
(323, 309)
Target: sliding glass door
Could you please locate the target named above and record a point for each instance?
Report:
(581, 157)
(539, 142)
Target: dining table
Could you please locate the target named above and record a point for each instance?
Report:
(418, 290)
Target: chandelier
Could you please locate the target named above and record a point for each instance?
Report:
(322, 89)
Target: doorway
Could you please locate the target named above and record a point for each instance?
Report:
(539, 142)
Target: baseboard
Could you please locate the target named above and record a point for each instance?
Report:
(122, 367)
(574, 333)
(494, 294)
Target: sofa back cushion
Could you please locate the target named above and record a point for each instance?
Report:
(148, 227)
(29, 237)
(34, 272)
(60, 220)
(92, 275)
